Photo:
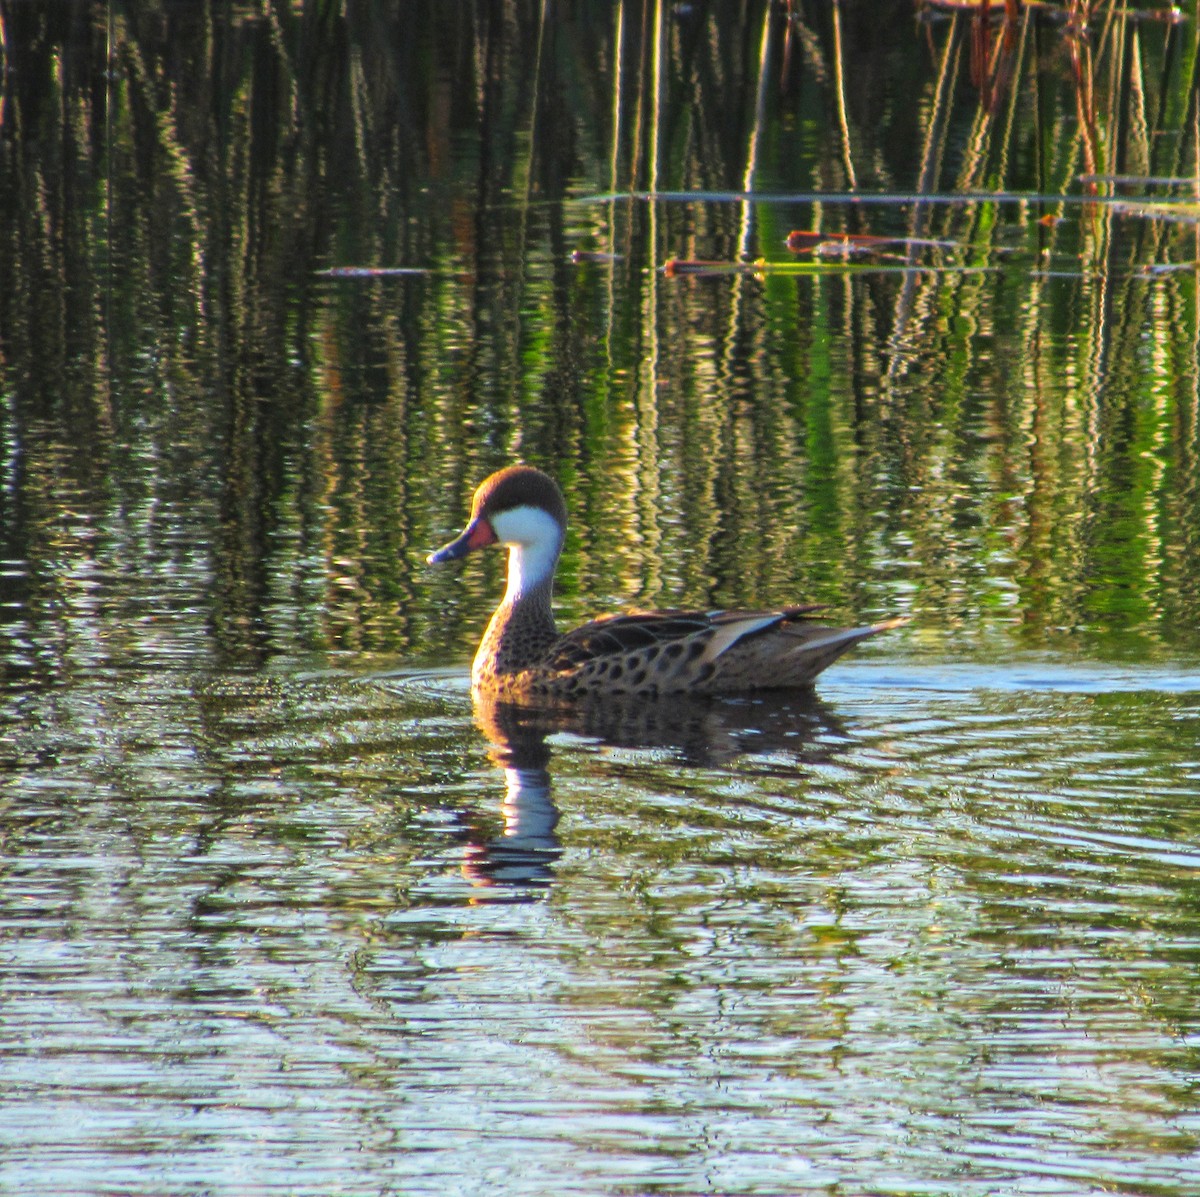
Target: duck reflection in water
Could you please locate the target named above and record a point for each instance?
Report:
(702, 732)
(524, 854)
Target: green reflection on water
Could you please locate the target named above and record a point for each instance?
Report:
(1005, 453)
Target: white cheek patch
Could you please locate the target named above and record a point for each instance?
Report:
(526, 526)
(534, 541)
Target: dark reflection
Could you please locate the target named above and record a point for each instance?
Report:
(523, 855)
(701, 731)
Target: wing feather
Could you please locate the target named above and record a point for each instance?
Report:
(613, 635)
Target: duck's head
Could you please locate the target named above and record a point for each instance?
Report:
(520, 508)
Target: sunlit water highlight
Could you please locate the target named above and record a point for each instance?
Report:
(934, 931)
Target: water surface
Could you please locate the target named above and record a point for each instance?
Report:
(282, 912)
(933, 930)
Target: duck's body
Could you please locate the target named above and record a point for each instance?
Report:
(523, 658)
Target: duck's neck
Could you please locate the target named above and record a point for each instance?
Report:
(522, 627)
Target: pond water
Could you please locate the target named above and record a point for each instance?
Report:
(283, 911)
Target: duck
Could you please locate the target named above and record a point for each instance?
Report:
(524, 659)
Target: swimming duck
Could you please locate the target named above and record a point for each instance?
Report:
(523, 658)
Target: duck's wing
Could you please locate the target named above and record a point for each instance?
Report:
(705, 634)
(617, 635)
(704, 652)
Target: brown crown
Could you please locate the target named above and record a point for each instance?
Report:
(519, 486)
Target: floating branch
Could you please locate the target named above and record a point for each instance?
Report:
(370, 271)
(1065, 14)
(803, 241)
(675, 267)
(1141, 180)
(1182, 213)
(592, 255)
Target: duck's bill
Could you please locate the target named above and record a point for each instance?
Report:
(476, 535)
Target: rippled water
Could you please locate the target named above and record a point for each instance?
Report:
(309, 932)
